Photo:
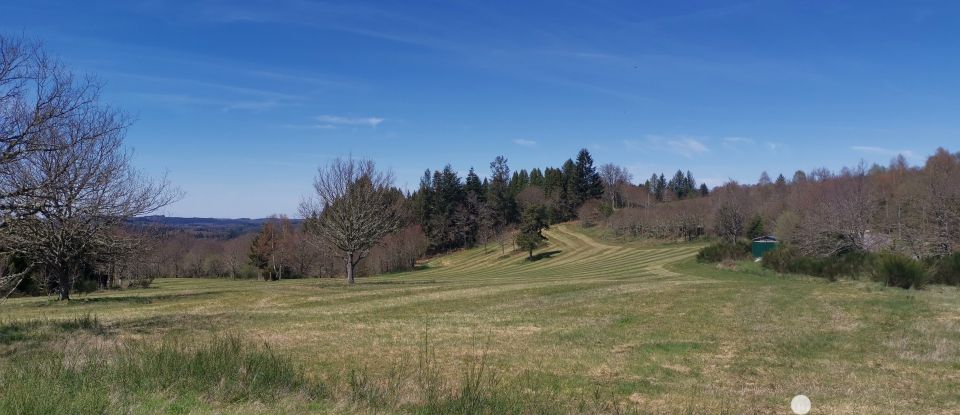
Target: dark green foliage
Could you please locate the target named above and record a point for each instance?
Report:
(682, 185)
(704, 191)
(499, 195)
(536, 178)
(586, 181)
(724, 251)
(473, 184)
(786, 259)
(900, 271)
(781, 181)
(530, 235)
(755, 229)
(946, 270)
(658, 186)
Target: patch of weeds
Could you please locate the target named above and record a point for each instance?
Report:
(225, 371)
(87, 322)
(16, 331)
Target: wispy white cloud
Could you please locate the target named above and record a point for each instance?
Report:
(687, 146)
(310, 126)
(525, 143)
(349, 121)
(883, 151)
(224, 104)
(682, 145)
(737, 140)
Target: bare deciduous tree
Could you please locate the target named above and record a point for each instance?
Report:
(615, 180)
(354, 208)
(83, 192)
(66, 184)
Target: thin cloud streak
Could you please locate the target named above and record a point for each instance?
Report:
(372, 122)
(883, 151)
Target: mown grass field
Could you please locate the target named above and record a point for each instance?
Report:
(589, 327)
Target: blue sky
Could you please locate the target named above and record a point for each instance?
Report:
(240, 101)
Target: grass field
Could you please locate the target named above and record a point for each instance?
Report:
(588, 327)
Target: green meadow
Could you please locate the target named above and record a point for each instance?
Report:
(588, 326)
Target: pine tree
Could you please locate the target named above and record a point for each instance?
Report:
(498, 194)
(532, 224)
(552, 181)
(536, 178)
(568, 196)
(704, 191)
(691, 189)
(781, 181)
(588, 184)
(473, 184)
(678, 185)
(660, 188)
(755, 230)
(764, 179)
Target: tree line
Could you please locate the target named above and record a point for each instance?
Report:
(68, 189)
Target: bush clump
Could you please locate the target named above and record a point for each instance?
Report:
(946, 270)
(900, 271)
(724, 251)
(787, 259)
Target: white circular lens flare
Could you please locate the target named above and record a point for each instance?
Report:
(800, 404)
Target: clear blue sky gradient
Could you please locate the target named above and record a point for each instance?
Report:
(240, 101)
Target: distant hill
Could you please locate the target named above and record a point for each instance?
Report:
(204, 227)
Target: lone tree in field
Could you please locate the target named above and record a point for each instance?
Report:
(354, 208)
(532, 224)
(66, 183)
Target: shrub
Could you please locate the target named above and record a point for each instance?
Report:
(786, 259)
(899, 271)
(724, 251)
(946, 270)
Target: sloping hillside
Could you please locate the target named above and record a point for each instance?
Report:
(589, 327)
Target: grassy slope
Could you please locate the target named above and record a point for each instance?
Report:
(643, 326)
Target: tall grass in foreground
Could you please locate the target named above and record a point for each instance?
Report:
(75, 367)
(94, 380)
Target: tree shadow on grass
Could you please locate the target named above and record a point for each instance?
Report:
(124, 299)
(543, 255)
(397, 282)
(177, 322)
(17, 331)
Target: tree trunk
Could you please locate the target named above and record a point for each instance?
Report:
(64, 288)
(350, 268)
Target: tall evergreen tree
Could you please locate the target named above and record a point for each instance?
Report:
(552, 181)
(781, 181)
(659, 187)
(532, 224)
(568, 197)
(498, 195)
(678, 185)
(587, 181)
(764, 179)
(536, 177)
(473, 184)
(691, 184)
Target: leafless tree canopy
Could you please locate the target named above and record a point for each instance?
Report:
(354, 208)
(66, 183)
